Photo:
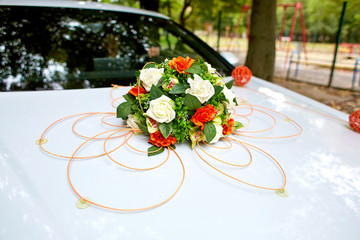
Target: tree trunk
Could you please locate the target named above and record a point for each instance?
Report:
(187, 3)
(261, 53)
(152, 5)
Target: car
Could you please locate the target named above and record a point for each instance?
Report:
(301, 151)
(74, 44)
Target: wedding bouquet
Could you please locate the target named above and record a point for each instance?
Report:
(177, 100)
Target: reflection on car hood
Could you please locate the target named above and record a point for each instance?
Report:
(81, 4)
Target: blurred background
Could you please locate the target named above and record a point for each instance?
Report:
(309, 46)
(307, 33)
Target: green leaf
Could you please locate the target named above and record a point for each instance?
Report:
(143, 128)
(237, 125)
(137, 74)
(218, 90)
(129, 98)
(152, 150)
(205, 68)
(191, 102)
(209, 131)
(235, 101)
(165, 129)
(179, 88)
(195, 68)
(155, 92)
(160, 83)
(150, 65)
(123, 110)
(230, 84)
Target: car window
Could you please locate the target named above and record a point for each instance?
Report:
(55, 48)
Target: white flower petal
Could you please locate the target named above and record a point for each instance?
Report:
(210, 68)
(150, 76)
(132, 122)
(161, 109)
(202, 89)
(230, 96)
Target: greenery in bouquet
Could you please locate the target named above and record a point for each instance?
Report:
(177, 100)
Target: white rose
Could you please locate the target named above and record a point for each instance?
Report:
(150, 76)
(230, 96)
(218, 135)
(202, 89)
(210, 68)
(161, 109)
(132, 122)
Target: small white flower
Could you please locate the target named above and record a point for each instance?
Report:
(150, 76)
(132, 121)
(219, 82)
(202, 89)
(230, 96)
(173, 81)
(210, 68)
(196, 135)
(161, 109)
(152, 125)
(218, 135)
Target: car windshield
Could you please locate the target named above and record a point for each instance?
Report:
(62, 48)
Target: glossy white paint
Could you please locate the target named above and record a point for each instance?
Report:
(36, 202)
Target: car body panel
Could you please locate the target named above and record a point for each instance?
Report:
(36, 201)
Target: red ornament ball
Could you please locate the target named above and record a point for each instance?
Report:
(242, 75)
(354, 120)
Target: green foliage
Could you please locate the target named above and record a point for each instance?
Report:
(191, 102)
(209, 131)
(129, 98)
(150, 65)
(143, 128)
(165, 129)
(123, 110)
(230, 84)
(179, 88)
(154, 150)
(181, 124)
(237, 125)
(155, 92)
(322, 19)
(195, 68)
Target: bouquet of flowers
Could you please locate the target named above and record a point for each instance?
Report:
(177, 100)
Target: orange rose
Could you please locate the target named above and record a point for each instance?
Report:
(203, 115)
(227, 128)
(181, 64)
(158, 140)
(136, 91)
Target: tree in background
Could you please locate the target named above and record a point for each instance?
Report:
(185, 13)
(322, 19)
(261, 52)
(152, 5)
